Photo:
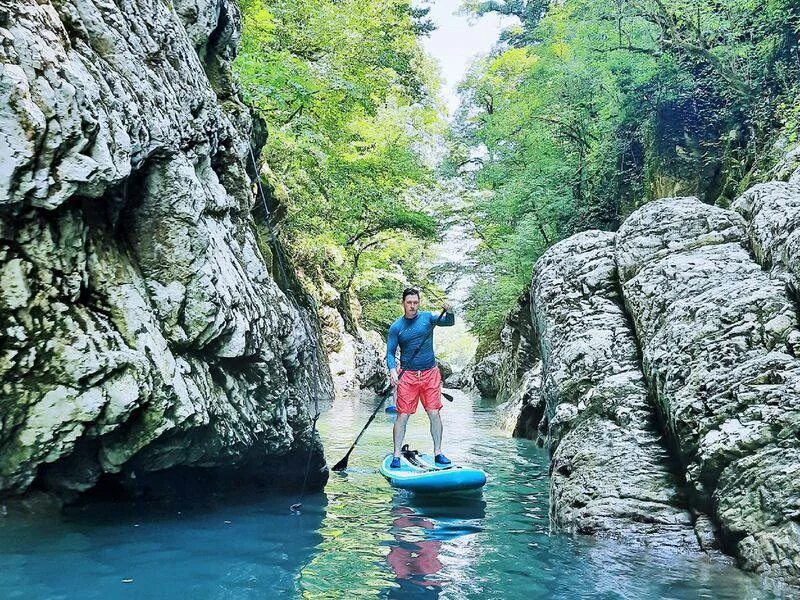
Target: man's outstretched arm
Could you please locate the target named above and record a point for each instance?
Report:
(448, 319)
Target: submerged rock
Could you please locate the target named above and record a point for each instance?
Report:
(141, 328)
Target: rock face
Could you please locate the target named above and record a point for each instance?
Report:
(141, 329)
(461, 379)
(672, 347)
(518, 350)
(498, 375)
(486, 374)
(717, 334)
(444, 368)
(772, 214)
(522, 413)
(356, 361)
(609, 469)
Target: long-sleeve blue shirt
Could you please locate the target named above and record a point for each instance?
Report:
(409, 334)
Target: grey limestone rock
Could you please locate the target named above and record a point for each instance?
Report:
(499, 374)
(140, 328)
(715, 331)
(444, 368)
(522, 413)
(486, 374)
(609, 467)
(357, 360)
(518, 349)
(671, 346)
(788, 167)
(772, 215)
(461, 379)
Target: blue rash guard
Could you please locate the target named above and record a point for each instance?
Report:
(409, 334)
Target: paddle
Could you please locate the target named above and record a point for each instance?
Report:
(342, 464)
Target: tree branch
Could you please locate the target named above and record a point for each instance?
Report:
(674, 38)
(629, 48)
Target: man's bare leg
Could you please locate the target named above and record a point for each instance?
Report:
(436, 430)
(399, 431)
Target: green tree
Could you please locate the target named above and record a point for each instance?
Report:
(348, 97)
(588, 109)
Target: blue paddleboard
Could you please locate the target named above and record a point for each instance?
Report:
(419, 473)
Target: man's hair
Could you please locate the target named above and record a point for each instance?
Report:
(410, 292)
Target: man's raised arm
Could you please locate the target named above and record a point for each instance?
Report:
(448, 319)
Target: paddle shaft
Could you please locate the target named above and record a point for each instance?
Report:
(342, 464)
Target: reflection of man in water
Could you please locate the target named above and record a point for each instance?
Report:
(413, 561)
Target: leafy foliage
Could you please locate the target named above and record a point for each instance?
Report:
(590, 108)
(348, 97)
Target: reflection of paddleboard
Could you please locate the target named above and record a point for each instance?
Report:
(419, 473)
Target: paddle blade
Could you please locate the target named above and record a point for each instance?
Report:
(447, 396)
(342, 464)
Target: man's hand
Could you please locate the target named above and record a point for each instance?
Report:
(447, 307)
(393, 377)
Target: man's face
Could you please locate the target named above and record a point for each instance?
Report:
(411, 306)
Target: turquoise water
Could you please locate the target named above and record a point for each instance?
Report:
(360, 539)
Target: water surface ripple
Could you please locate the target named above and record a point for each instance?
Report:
(359, 539)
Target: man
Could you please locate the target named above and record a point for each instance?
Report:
(413, 332)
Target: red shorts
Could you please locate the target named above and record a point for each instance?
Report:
(419, 385)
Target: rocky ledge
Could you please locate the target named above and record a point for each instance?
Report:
(668, 392)
(356, 356)
(141, 329)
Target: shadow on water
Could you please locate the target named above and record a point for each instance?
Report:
(216, 546)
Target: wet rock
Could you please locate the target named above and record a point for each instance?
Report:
(609, 467)
(715, 331)
(707, 533)
(141, 328)
(33, 505)
(522, 413)
(444, 368)
(486, 375)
